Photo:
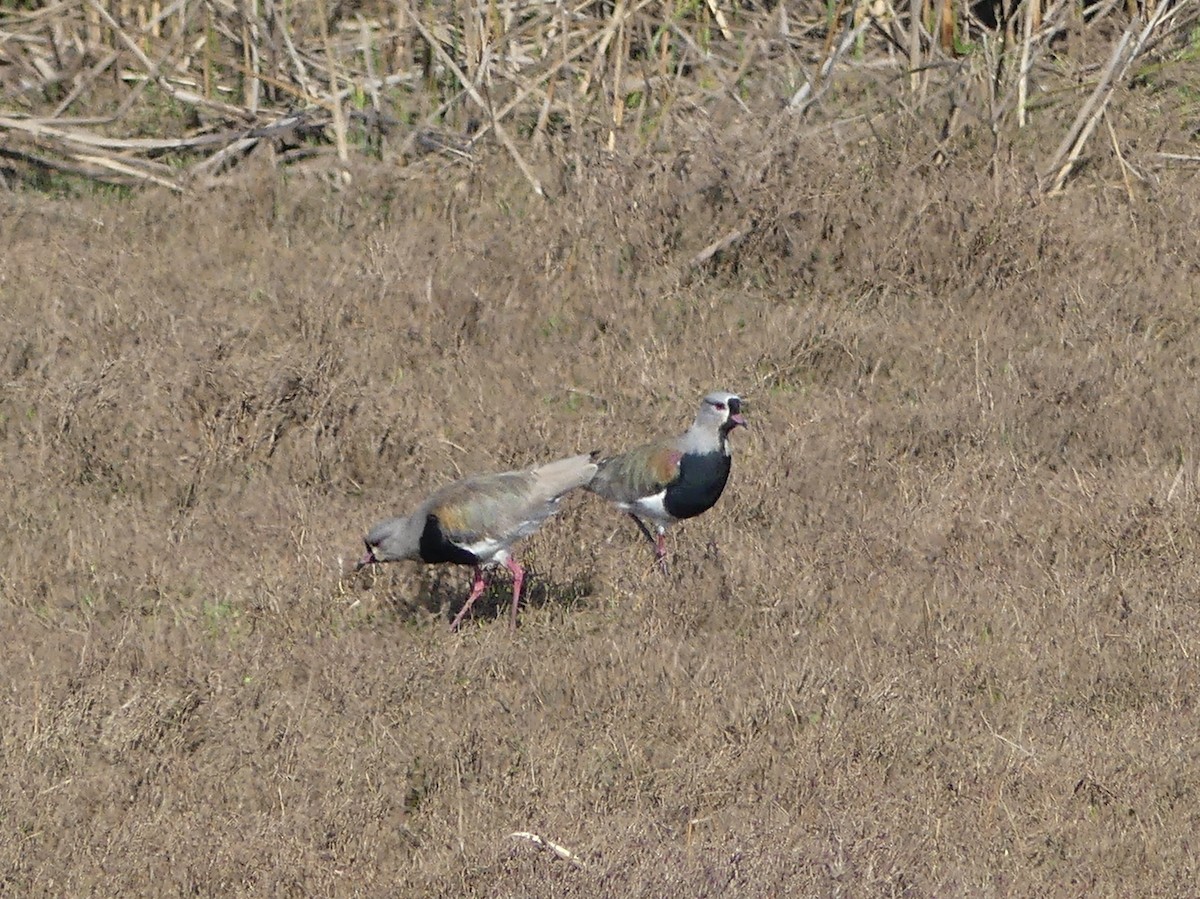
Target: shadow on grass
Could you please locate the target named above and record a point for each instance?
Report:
(443, 592)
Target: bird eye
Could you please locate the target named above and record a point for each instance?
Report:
(719, 406)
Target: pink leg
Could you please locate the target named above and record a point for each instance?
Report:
(660, 551)
(476, 591)
(518, 574)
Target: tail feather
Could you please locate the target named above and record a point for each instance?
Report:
(560, 476)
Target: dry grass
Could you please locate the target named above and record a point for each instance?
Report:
(946, 646)
(136, 92)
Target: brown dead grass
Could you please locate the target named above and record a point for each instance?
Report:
(946, 646)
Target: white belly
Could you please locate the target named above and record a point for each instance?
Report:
(651, 507)
(489, 551)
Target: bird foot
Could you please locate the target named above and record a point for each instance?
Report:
(660, 553)
(660, 562)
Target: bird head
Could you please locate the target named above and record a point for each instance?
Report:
(390, 541)
(721, 410)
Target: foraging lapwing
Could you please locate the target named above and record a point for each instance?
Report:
(677, 477)
(477, 520)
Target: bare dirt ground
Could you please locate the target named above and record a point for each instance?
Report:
(947, 643)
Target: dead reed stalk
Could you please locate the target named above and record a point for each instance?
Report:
(175, 94)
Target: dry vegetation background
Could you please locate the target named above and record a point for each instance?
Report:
(948, 644)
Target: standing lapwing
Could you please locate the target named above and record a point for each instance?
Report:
(476, 521)
(677, 477)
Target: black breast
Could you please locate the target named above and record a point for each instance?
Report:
(702, 477)
(436, 547)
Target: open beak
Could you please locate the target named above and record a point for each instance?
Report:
(737, 419)
(368, 559)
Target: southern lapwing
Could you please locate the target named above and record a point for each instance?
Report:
(677, 477)
(476, 521)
